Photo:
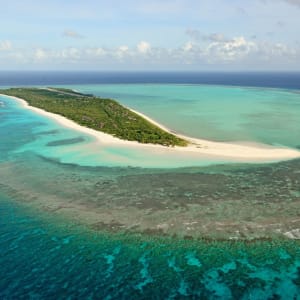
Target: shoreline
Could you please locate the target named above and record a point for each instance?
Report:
(235, 152)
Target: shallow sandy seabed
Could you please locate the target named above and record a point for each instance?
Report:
(197, 148)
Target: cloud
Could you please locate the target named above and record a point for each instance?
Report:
(213, 53)
(40, 54)
(120, 52)
(72, 34)
(143, 47)
(71, 53)
(188, 46)
(241, 53)
(293, 2)
(5, 45)
(96, 52)
(230, 50)
(123, 48)
(278, 50)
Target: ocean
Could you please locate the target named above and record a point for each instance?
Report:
(81, 222)
(289, 80)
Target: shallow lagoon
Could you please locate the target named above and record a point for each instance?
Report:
(221, 113)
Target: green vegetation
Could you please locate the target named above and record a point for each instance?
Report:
(104, 115)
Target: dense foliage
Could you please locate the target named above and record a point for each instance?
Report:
(105, 115)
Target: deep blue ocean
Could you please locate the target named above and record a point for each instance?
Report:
(51, 247)
(256, 79)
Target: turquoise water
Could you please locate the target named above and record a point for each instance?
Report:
(48, 139)
(82, 226)
(44, 258)
(220, 113)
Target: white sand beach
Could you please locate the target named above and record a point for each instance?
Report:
(239, 152)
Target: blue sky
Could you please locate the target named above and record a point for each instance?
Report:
(150, 35)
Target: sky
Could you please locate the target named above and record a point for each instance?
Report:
(188, 35)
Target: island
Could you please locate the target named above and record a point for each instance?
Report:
(101, 114)
(110, 123)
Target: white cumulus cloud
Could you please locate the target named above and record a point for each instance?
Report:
(188, 46)
(234, 52)
(143, 47)
(123, 48)
(40, 54)
(120, 52)
(233, 49)
(71, 53)
(97, 52)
